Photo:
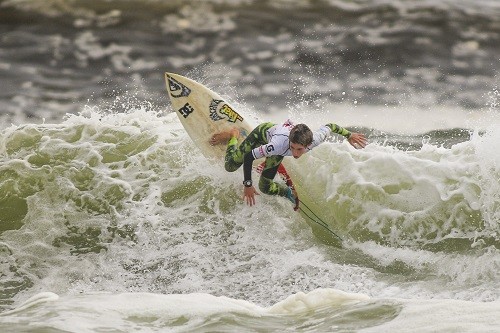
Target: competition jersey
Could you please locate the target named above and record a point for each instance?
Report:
(279, 142)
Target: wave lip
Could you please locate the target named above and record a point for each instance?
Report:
(435, 197)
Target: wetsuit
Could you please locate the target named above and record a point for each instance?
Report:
(272, 142)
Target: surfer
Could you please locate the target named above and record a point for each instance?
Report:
(274, 142)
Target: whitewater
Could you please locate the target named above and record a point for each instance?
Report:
(116, 222)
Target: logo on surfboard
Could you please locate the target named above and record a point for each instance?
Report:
(177, 89)
(220, 110)
(186, 110)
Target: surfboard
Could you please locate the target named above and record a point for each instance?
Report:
(203, 113)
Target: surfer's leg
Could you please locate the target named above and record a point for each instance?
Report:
(235, 153)
(266, 183)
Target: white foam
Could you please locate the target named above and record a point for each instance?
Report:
(318, 298)
(137, 311)
(443, 316)
(175, 312)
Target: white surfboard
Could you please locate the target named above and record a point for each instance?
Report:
(203, 113)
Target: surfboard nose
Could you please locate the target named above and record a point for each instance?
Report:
(177, 85)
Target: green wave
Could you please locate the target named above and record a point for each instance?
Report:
(422, 197)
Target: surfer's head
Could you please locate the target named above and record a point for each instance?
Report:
(300, 137)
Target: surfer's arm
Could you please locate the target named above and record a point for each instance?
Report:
(334, 128)
(247, 166)
(249, 192)
(325, 131)
(357, 140)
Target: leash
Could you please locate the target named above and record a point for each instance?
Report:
(298, 203)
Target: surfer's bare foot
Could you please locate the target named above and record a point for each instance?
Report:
(223, 137)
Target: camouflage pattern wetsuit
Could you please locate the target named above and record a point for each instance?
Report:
(271, 141)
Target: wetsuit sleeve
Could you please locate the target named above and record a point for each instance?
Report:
(325, 131)
(338, 130)
(247, 166)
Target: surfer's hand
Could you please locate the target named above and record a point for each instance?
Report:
(357, 140)
(249, 195)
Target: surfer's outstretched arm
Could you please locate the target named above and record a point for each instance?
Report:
(357, 140)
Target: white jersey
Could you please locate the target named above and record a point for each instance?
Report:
(279, 142)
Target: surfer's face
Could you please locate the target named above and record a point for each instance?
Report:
(297, 149)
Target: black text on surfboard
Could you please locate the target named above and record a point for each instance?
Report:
(220, 110)
(186, 110)
(177, 89)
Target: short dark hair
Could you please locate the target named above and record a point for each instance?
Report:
(301, 134)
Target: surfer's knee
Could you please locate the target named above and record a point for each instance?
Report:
(265, 185)
(268, 186)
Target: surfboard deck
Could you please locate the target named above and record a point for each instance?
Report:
(204, 113)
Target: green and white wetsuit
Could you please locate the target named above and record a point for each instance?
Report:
(272, 142)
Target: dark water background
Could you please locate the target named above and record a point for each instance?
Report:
(56, 56)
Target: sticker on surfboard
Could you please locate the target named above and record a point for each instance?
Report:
(176, 88)
(186, 110)
(220, 110)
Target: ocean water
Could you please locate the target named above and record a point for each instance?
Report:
(111, 220)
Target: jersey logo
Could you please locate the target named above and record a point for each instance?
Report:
(186, 110)
(220, 110)
(269, 148)
(177, 89)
